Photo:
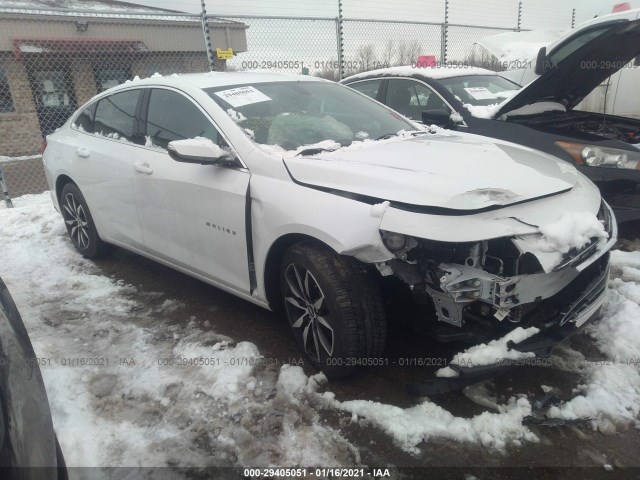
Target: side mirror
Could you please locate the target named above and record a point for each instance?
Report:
(441, 118)
(199, 150)
(542, 62)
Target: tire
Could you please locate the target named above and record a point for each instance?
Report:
(334, 308)
(79, 223)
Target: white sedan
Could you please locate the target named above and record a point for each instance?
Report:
(302, 194)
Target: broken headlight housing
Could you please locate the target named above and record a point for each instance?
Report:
(595, 156)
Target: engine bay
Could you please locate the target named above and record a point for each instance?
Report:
(615, 128)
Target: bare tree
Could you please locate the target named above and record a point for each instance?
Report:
(389, 53)
(408, 53)
(481, 57)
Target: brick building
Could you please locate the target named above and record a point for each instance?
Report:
(56, 54)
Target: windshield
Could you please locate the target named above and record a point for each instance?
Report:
(296, 113)
(480, 90)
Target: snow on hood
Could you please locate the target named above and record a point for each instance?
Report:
(456, 171)
(536, 108)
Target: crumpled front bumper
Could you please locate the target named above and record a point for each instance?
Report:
(583, 308)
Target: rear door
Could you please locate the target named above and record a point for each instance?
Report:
(192, 216)
(101, 154)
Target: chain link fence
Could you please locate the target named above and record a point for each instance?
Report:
(53, 60)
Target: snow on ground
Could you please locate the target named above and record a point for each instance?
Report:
(227, 408)
(490, 353)
(224, 406)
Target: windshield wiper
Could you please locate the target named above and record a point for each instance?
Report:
(314, 151)
(391, 135)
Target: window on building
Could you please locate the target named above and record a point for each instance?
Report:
(115, 116)
(172, 116)
(6, 101)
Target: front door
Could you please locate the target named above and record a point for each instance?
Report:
(54, 97)
(191, 215)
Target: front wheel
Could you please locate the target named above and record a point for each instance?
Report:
(79, 222)
(334, 308)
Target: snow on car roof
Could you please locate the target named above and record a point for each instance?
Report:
(429, 72)
(221, 79)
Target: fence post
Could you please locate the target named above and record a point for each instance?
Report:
(573, 18)
(519, 27)
(443, 42)
(339, 33)
(207, 36)
(5, 191)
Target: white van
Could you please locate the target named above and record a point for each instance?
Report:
(519, 53)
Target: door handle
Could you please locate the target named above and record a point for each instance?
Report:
(143, 168)
(83, 152)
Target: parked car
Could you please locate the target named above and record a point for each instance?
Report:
(297, 193)
(542, 115)
(29, 448)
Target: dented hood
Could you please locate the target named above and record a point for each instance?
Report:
(453, 172)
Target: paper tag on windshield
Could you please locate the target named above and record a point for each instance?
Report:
(480, 93)
(238, 97)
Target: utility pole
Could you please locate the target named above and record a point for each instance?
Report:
(207, 36)
(444, 40)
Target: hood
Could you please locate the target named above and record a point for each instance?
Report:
(609, 45)
(455, 172)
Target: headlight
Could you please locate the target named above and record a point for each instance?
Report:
(394, 241)
(595, 156)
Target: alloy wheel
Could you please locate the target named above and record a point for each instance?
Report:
(307, 312)
(76, 220)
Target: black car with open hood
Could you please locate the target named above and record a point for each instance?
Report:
(542, 115)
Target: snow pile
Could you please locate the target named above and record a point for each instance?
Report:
(572, 230)
(489, 353)
(235, 115)
(160, 391)
(411, 426)
(483, 111)
(536, 109)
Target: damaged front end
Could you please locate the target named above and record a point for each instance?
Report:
(482, 290)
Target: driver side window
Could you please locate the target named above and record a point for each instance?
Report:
(172, 116)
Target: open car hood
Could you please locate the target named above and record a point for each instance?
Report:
(572, 78)
(447, 174)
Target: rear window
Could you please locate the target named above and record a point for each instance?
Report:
(84, 121)
(115, 116)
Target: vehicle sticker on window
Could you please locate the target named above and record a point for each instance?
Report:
(480, 93)
(238, 97)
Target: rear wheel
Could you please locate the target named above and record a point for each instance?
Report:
(79, 223)
(334, 308)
